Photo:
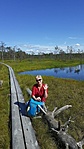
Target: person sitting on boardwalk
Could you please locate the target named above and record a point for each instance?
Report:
(39, 90)
(39, 93)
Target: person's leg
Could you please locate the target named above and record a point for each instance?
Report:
(44, 107)
(27, 104)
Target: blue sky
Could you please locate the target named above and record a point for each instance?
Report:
(40, 25)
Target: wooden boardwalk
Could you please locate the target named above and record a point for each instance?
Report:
(23, 134)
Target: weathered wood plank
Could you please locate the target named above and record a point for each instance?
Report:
(23, 134)
(29, 134)
(27, 129)
(17, 133)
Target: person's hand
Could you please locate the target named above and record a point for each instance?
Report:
(45, 87)
(38, 99)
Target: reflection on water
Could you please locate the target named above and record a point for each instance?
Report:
(76, 73)
(70, 72)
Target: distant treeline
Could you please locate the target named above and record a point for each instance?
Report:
(8, 53)
(20, 55)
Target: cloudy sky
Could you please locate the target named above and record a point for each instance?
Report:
(40, 25)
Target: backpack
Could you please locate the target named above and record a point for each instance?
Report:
(33, 108)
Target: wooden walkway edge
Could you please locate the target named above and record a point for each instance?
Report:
(23, 134)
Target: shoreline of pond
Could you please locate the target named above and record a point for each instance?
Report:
(75, 72)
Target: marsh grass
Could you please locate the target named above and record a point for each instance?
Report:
(34, 64)
(60, 93)
(4, 109)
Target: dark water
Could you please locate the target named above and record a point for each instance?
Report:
(76, 73)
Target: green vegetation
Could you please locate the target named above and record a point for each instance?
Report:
(61, 92)
(42, 63)
(4, 109)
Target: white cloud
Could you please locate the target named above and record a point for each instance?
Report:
(77, 45)
(31, 48)
(72, 38)
(37, 48)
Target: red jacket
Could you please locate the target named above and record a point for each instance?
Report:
(39, 93)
